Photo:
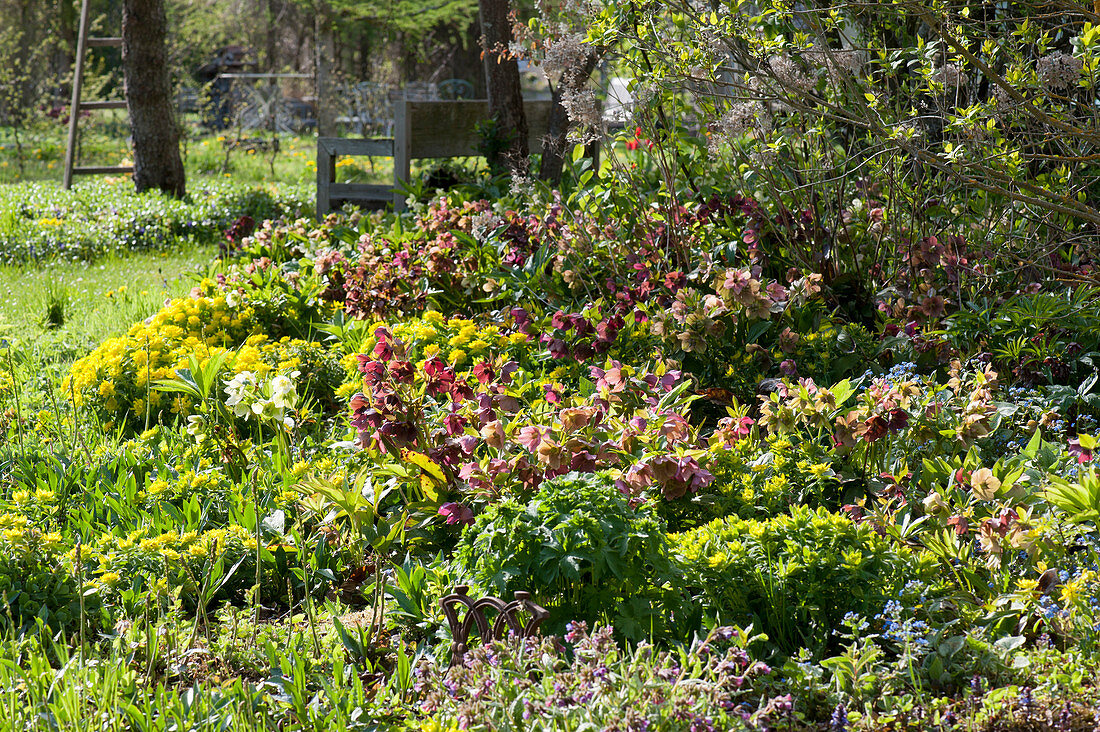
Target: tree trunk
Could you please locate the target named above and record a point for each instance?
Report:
(271, 37)
(557, 127)
(68, 16)
(502, 83)
(325, 52)
(157, 161)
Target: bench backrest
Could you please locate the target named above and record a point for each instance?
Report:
(448, 129)
(422, 129)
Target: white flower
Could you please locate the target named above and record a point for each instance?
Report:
(283, 394)
(521, 187)
(195, 425)
(232, 299)
(238, 390)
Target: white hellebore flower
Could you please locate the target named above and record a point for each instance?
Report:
(237, 390)
(283, 394)
(195, 425)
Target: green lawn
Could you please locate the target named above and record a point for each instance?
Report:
(96, 300)
(39, 155)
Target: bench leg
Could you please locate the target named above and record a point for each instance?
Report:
(401, 154)
(326, 176)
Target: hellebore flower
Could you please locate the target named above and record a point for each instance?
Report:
(1082, 453)
(456, 513)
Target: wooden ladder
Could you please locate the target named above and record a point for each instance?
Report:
(82, 43)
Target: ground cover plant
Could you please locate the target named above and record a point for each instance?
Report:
(772, 455)
(41, 223)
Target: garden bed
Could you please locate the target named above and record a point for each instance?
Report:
(739, 507)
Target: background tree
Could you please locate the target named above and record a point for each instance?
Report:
(557, 41)
(503, 86)
(26, 81)
(149, 98)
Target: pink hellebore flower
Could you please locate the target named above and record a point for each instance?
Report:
(454, 423)
(456, 513)
(532, 436)
(1083, 454)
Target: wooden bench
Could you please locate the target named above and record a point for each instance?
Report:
(422, 129)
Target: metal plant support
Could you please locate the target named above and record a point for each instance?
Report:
(507, 619)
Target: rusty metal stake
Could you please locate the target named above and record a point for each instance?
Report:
(506, 619)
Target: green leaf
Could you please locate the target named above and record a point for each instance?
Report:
(1008, 644)
(1034, 444)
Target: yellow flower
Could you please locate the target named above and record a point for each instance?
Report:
(1071, 592)
(157, 487)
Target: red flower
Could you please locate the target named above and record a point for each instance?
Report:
(402, 372)
(375, 371)
(454, 423)
(960, 524)
(483, 372)
(1083, 454)
(898, 419)
(634, 143)
(456, 513)
(876, 429)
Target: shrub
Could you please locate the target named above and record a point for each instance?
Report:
(177, 559)
(582, 550)
(757, 479)
(460, 342)
(795, 576)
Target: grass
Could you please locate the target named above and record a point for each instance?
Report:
(205, 154)
(92, 302)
